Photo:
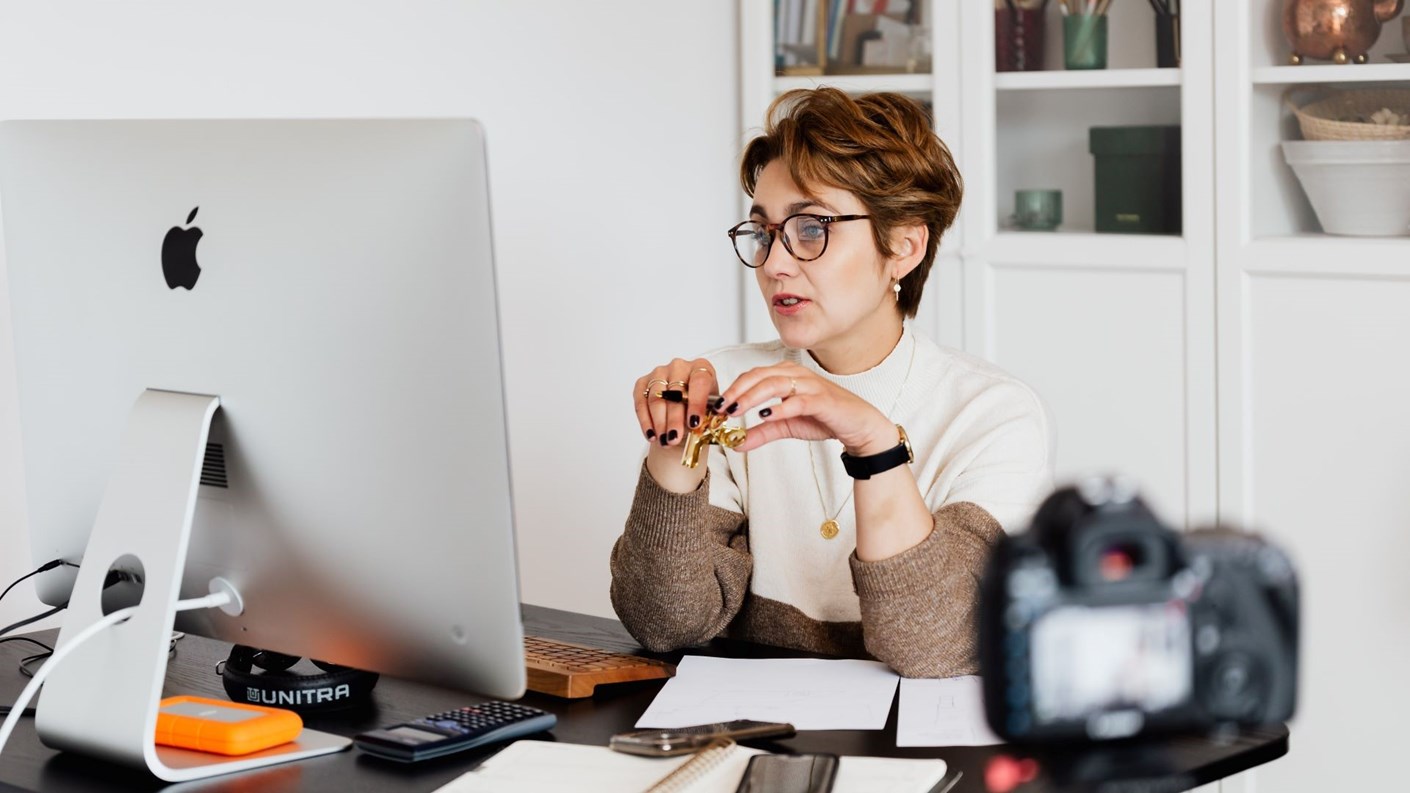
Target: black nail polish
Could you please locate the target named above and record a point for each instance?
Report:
(673, 435)
(715, 403)
(766, 412)
(673, 395)
(663, 440)
(694, 422)
(733, 406)
(650, 434)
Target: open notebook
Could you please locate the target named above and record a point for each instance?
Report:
(534, 766)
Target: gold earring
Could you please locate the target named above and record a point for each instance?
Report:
(896, 287)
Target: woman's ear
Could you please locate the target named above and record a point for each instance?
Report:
(908, 242)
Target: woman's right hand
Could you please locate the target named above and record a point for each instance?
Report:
(664, 423)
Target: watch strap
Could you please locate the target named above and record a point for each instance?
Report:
(869, 465)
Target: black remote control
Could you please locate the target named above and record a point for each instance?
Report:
(454, 731)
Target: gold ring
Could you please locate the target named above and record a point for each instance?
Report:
(680, 383)
(647, 391)
(792, 387)
(703, 369)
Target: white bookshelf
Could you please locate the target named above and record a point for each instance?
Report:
(1312, 422)
(1250, 369)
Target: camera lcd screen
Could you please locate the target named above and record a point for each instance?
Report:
(1088, 660)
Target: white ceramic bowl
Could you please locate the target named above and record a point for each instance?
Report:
(1357, 188)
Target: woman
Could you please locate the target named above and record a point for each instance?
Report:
(879, 468)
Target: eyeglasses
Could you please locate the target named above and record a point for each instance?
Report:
(804, 236)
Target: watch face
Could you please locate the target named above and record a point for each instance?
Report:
(906, 441)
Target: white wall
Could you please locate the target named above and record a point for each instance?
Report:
(613, 132)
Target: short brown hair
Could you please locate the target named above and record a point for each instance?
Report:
(881, 147)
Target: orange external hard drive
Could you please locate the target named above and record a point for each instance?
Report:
(231, 728)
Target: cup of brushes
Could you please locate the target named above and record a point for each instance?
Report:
(1084, 27)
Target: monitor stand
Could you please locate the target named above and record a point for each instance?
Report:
(102, 699)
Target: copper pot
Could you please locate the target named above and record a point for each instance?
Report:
(1335, 30)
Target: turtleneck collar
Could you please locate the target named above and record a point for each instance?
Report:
(879, 385)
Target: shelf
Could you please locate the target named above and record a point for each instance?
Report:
(1087, 78)
(1331, 73)
(1330, 254)
(1088, 249)
(860, 83)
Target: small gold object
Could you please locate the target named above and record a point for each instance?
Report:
(713, 430)
(829, 529)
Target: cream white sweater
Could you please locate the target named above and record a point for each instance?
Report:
(743, 555)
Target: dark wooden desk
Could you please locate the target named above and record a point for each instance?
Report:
(1168, 765)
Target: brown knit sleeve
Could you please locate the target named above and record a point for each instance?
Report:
(681, 568)
(919, 607)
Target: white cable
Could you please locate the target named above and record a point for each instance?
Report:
(214, 600)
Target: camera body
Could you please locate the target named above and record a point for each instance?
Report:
(1101, 623)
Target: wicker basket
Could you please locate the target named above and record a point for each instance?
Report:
(1346, 115)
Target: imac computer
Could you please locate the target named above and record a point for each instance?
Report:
(264, 353)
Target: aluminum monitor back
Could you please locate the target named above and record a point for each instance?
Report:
(340, 300)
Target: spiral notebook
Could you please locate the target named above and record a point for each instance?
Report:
(535, 766)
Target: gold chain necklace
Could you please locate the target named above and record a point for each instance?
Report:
(830, 527)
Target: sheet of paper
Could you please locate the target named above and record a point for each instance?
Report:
(947, 712)
(537, 766)
(887, 775)
(809, 693)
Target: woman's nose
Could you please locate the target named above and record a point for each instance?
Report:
(778, 260)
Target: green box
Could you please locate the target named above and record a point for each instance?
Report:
(1137, 179)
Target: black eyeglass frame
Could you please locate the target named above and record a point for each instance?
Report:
(775, 231)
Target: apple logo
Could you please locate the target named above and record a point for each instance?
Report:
(179, 255)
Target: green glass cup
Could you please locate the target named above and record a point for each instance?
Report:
(1084, 41)
(1037, 210)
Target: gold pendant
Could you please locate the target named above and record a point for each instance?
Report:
(829, 529)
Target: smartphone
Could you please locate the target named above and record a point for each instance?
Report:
(789, 773)
(684, 740)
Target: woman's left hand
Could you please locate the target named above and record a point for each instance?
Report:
(812, 409)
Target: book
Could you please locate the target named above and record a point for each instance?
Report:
(530, 766)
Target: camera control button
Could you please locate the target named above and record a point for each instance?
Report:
(1207, 639)
(1233, 678)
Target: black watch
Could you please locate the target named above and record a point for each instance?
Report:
(872, 464)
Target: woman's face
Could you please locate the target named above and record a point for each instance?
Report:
(836, 298)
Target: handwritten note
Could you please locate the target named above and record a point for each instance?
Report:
(947, 712)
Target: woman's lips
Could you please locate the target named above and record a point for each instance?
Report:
(787, 310)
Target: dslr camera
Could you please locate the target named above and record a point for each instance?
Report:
(1101, 623)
